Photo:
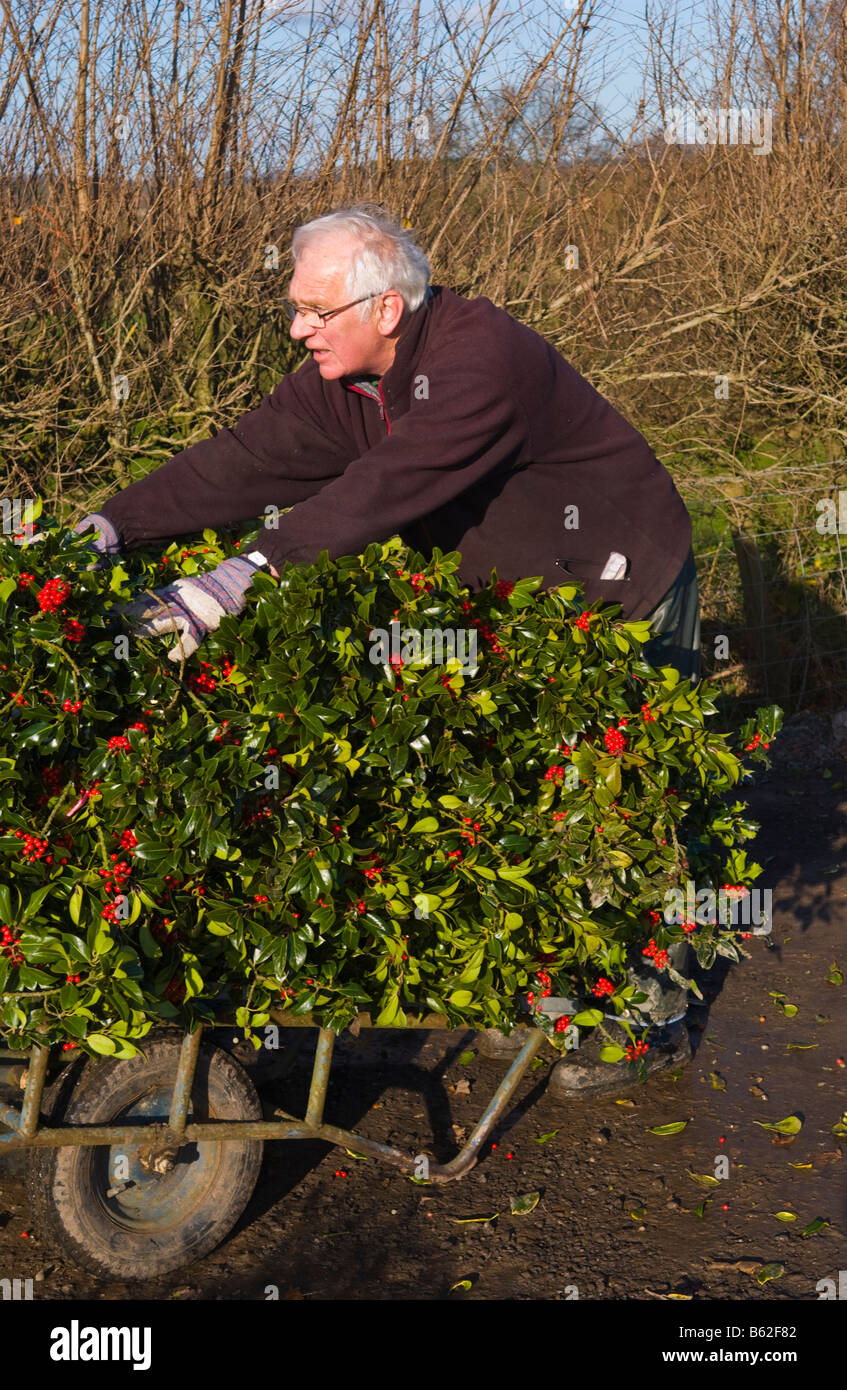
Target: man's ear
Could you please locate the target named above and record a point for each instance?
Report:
(391, 313)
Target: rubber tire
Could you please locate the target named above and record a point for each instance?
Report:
(61, 1183)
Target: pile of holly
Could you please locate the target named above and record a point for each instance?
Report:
(290, 819)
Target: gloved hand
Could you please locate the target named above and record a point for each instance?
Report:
(194, 606)
(105, 540)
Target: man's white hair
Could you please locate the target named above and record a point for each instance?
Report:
(384, 255)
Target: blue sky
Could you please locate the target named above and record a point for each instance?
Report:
(615, 58)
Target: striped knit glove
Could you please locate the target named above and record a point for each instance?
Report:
(194, 606)
(105, 540)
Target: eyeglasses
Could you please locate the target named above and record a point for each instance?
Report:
(320, 318)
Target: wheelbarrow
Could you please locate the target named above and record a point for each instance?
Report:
(138, 1167)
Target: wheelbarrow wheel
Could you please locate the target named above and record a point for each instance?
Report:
(108, 1208)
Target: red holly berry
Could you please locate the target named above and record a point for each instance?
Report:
(53, 595)
(614, 741)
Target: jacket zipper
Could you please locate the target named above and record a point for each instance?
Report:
(382, 411)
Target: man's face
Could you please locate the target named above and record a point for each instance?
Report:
(345, 346)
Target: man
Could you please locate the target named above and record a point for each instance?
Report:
(419, 413)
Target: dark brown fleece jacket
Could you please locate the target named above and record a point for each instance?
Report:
(484, 440)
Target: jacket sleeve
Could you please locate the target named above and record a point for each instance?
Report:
(277, 455)
(468, 427)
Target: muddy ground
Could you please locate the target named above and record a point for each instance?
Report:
(617, 1216)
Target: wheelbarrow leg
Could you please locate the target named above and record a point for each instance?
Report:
(31, 1107)
(184, 1080)
(320, 1078)
(464, 1161)
(161, 1157)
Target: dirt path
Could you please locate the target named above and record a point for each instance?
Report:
(375, 1235)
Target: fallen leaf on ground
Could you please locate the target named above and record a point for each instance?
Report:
(673, 1128)
(785, 1215)
(718, 1083)
(704, 1179)
(815, 1227)
(743, 1266)
(768, 1272)
(827, 1158)
(473, 1220)
(525, 1203)
(626, 1101)
(542, 1138)
(463, 1087)
(465, 1061)
(790, 1125)
(463, 1284)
